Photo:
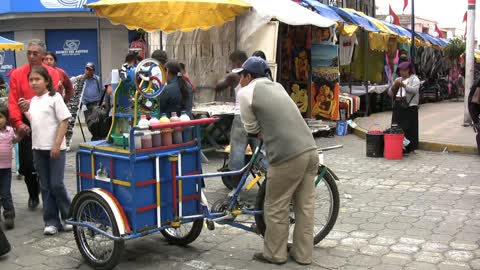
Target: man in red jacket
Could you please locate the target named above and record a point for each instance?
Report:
(19, 98)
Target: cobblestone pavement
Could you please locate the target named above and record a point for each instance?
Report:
(419, 213)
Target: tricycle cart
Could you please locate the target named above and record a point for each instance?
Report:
(126, 193)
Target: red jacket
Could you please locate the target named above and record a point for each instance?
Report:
(20, 88)
(67, 91)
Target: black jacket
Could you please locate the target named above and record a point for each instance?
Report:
(474, 108)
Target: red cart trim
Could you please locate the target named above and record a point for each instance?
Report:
(85, 175)
(192, 173)
(146, 183)
(146, 208)
(166, 147)
(111, 169)
(174, 187)
(191, 198)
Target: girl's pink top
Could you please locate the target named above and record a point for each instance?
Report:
(6, 144)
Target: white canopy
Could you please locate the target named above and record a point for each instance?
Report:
(285, 11)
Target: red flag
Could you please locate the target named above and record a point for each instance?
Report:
(396, 19)
(405, 4)
(465, 16)
(440, 35)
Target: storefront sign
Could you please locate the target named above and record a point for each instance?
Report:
(74, 48)
(7, 58)
(71, 47)
(19, 6)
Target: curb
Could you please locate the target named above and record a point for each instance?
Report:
(431, 146)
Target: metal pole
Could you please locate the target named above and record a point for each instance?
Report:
(99, 50)
(367, 52)
(161, 40)
(412, 49)
(236, 34)
(469, 63)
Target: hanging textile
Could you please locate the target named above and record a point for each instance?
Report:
(346, 47)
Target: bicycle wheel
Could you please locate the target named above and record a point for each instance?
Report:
(327, 204)
(185, 234)
(99, 251)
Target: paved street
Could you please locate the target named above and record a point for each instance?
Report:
(419, 213)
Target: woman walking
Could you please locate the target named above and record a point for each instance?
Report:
(65, 85)
(405, 92)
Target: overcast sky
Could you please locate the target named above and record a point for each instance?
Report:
(448, 13)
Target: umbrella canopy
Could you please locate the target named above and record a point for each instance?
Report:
(169, 15)
(7, 44)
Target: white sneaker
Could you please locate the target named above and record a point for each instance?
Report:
(50, 230)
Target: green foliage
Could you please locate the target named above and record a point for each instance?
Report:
(455, 49)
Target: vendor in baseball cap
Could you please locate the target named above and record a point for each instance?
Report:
(90, 65)
(255, 67)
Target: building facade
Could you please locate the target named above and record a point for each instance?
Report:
(69, 30)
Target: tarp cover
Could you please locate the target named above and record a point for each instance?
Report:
(7, 44)
(285, 11)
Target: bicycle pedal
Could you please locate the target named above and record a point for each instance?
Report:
(210, 224)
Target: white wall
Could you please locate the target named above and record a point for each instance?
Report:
(24, 36)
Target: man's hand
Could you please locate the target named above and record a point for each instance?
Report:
(231, 80)
(55, 152)
(23, 130)
(24, 104)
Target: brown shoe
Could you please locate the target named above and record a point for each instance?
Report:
(295, 260)
(259, 257)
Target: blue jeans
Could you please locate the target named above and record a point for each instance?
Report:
(54, 194)
(6, 194)
(238, 143)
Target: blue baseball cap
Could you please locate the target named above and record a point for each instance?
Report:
(254, 64)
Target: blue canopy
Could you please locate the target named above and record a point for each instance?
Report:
(398, 29)
(433, 40)
(356, 19)
(323, 10)
(444, 42)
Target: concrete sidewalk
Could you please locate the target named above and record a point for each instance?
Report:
(440, 127)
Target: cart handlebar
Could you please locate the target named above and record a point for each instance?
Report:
(185, 123)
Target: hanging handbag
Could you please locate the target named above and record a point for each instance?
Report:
(404, 104)
(98, 122)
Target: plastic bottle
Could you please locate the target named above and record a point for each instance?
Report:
(187, 131)
(147, 136)
(156, 135)
(166, 132)
(177, 133)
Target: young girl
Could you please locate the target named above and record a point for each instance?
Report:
(49, 116)
(7, 140)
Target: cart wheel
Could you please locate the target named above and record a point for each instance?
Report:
(185, 234)
(99, 251)
(327, 204)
